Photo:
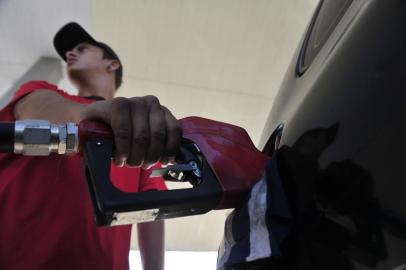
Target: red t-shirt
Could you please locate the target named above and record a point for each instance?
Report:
(46, 217)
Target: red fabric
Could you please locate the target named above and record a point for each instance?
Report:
(46, 218)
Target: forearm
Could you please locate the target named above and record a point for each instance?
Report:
(151, 241)
(46, 105)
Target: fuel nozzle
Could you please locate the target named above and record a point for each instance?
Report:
(219, 160)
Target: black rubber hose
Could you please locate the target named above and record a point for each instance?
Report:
(6, 137)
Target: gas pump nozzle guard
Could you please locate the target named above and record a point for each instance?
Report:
(219, 160)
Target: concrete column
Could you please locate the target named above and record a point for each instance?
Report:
(45, 69)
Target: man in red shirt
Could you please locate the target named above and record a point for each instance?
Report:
(45, 210)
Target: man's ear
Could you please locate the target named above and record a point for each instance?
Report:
(114, 65)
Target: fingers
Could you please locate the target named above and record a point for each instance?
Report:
(140, 131)
(120, 122)
(155, 133)
(144, 131)
(158, 134)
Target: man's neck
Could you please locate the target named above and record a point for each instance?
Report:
(102, 87)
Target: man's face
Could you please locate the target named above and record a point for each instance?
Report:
(85, 59)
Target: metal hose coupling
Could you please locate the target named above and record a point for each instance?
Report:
(40, 138)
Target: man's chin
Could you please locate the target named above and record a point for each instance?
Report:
(75, 75)
(74, 71)
(72, 68)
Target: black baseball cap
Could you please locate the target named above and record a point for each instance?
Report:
(72, 34)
